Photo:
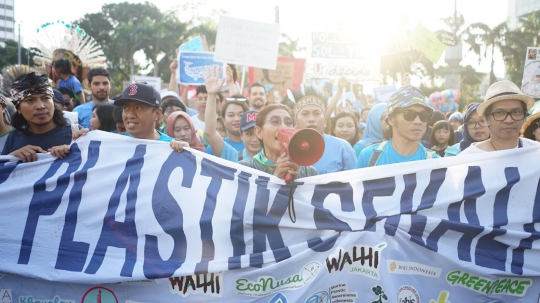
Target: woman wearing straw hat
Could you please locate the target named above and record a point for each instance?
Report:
(531, 127)
(505, 108)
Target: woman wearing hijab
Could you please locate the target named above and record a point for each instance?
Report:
(180, 127)
(374, 130)
(475, 129)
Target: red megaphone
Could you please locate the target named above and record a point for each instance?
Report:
(304, 146)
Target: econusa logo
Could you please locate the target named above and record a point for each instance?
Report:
(267, 285)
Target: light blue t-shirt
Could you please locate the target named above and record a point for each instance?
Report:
(231, 154)
(162, 137)
(390, 156)
(338, 156)
(84, 113)
(239, 146)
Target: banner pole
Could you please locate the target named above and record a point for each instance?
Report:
(243, 78)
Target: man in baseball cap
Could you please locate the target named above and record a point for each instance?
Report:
(141, 105)
(505, 108)
(407, 117)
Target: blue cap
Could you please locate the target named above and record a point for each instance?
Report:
(140, 92)
(249, 119)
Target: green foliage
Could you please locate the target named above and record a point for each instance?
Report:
(9, 54)
(527, 34)
(123, 29)
(288, 47)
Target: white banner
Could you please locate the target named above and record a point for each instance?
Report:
(171, 225)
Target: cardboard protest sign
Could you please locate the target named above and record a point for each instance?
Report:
(289, 73)
(197, 44)
(425, 41)
(360, 70)
(335, 46)
(155, 82)
(247, 43)
(530, 84)
(192, 66)
(447, 38)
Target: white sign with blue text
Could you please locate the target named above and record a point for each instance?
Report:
(127, 220)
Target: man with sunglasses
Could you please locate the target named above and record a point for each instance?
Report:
(408, 114)
(505, 108)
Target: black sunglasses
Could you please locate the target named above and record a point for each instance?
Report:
(410, 115)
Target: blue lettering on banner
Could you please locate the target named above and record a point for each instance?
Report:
(323, 217)
(375, 188)
(518, 255)
(472, 190)
(45, 203)
(170, 216)
(489, 252)
(218, 173)
(5, 170)
(418, 224)
(72, 254)
(237, 221)
(121, 234)
(267, 223)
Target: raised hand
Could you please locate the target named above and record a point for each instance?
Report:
(212, 82)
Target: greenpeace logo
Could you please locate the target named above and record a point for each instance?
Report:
(413, 268)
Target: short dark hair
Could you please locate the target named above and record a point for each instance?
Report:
(63, 66)
(436, 116)
(228, 103)
(98, 71)
(104, 112)
(201, 89)
(117, 114)
(528, 133)
(20, 123)
(66, 91)
(442, 124)
(257, 84)
(172, 101)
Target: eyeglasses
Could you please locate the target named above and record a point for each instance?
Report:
(500, 115)
(236, 99)
(410, 115)
(473, 124)
(276, 121)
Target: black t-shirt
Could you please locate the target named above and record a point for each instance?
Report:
(59, 135)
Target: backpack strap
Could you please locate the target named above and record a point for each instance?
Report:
(377, 153)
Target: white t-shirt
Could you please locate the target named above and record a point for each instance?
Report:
(472, 149)
(199, 125)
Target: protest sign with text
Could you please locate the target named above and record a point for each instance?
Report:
(247, 43)
(193, 67)
(530, 84)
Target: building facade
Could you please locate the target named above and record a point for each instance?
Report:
(7, 21)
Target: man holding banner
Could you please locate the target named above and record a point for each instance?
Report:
(505, 108)
(408, 113)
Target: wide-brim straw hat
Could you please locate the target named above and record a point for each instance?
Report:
(504, 90)
(530, 119)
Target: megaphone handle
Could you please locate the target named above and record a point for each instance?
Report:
(288, 178)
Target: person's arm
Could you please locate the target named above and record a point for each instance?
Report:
(81, 97)
(173, 86)
(213, 86)
(230, 81)
(332, 105)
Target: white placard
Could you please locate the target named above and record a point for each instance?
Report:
(248, 43)
(155, 82)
